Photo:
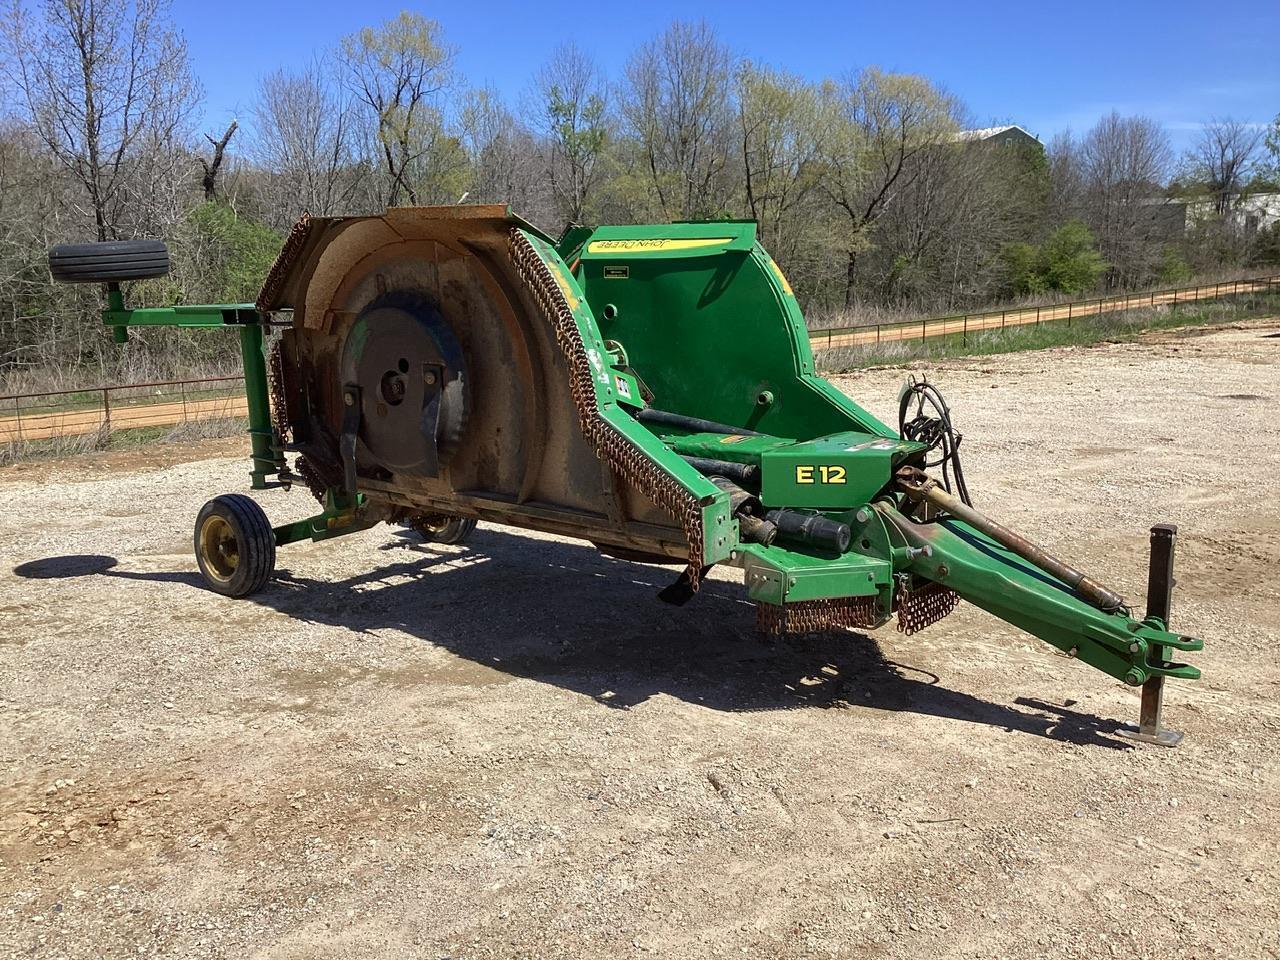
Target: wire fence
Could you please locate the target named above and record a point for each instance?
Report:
(88, 418)
(91, 416)
(965, 323)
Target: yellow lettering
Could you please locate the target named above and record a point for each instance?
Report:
(804, 474)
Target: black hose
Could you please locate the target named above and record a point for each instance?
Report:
(932, 426)
(811, 529)
(746, 474)
(692, 424)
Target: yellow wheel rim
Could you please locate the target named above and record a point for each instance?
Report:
(219, 548)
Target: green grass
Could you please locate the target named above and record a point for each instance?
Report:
(1110, 327)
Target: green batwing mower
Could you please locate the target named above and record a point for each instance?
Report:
(649, 389)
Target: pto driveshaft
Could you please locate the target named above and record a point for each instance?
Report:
(919, 486)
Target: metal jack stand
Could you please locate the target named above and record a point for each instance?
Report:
(1160, 583)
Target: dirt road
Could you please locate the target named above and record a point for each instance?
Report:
(74, 423)
(923, 329)
(514, 750)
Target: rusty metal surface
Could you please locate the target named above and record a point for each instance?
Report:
(815, 616)
(278, 389)
(533, 443)
(923, 606)
(293, 245)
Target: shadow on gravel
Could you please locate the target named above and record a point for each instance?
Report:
(95, 564)
(563, 614)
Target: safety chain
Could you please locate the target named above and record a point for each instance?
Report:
(611, 446)
(280, 269)
(276, 384)
(920, 608)
(312, 478)
(814, 616)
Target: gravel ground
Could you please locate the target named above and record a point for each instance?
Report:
(514, 750)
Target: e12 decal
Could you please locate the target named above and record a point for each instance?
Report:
(821, 473)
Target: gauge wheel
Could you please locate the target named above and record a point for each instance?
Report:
(443, 529)
(235, 546)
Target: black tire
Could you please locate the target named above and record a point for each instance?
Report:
(110, 261)
(235, 546)
(452, 530)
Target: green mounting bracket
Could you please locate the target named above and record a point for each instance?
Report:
(267, 454)
(342, 514)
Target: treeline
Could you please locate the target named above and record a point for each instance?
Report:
(866, 187)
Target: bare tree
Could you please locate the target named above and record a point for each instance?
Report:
(213, 165)
(1066, 177)
(100, 81)
(573, 100)
(781, 138)
(880, 123)
(303, 138)
(676, 104)
(937, 243)
(399, 71)
(507, 162)
(1124, 162)
(1223, 158)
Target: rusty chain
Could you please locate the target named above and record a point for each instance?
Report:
(280, 269)
(922, 607)
(814, 616)
(630, 462)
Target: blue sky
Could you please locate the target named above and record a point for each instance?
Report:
(1045, 66)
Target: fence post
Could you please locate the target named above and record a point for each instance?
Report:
(923, 332)
(1069, 306)
(17, 414)
(1037, 314)
(964, 334)
(877, 333)
(106, 413)
(1003, 314)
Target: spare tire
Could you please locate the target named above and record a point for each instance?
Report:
(109, 261)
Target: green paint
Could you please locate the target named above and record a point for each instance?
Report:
(707, 320)
(775, 574)
(341, 515)
(839, 471)
(267, 455)
(998, 581)
(719, 528)
(712, 329)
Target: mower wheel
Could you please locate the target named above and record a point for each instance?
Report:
(443, 529)
(109, 261)
(235, 546)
